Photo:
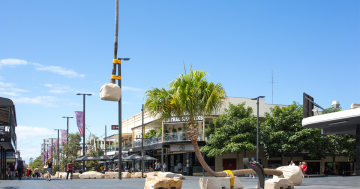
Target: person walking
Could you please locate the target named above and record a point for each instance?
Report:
(252, 163)
(179, 167)
(30, 173)
(70, 168)
(292, 163)
(12, 171)
(304, 169)
(36, 172)
(20, 166)
(156, 166)
(164, 167)
(48, 170)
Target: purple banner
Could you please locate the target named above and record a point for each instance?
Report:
(79, 121)
(55, 142)
(49, 152)
(63, 137)
(42, 159)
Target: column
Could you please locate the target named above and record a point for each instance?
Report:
(189, 163)
(203, 128)
(357, 150)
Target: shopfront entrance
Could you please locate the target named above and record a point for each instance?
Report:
(229, 164)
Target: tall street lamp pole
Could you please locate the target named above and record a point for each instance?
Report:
(58, 149)
(67, 130)
(83, 166)
(257, 127)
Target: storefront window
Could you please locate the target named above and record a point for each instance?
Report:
(197, 167)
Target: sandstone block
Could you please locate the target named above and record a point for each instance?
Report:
(162, 183)
(125, 175)
(170, 175)
(278, 183)
(292, 173)
(151, 174)
(111, 175)
(91, 175)
(219, 182)
(136, 175)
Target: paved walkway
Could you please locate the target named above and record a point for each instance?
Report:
(189, 183)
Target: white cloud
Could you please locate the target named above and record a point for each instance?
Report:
(29, 140)
(58, 88)
(26, 133)
(58, 70)
(2, 84)
(12, 62)
(125, 88)
(10, 93)
(7, 89)
(42, 100)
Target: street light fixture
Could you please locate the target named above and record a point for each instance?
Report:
(257, 127)
(83, 166)
(67, 131)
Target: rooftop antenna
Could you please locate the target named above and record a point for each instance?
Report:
(272, 87)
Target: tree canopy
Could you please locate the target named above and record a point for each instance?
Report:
(234, 132)
(282, 132)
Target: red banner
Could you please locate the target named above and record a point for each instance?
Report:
(79, 121)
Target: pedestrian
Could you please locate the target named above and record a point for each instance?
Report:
(70, 168)
(179, 167)
(27, 173)
(37, 172)
(138, 169)
(30, 173)
(156, 166)
(164, 167)
(48, 170)
(12, 171)
(151, 169)
(300, 165)
(20, 167)
(292, 163)
(304, 169)
(252, 163)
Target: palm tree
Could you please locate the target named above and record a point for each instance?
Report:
(186, 97)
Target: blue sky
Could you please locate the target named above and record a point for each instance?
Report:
(51, 50)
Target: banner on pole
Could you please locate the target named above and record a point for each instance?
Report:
(55, 145)
(63, 137)
(79, 121)
(42, 159)
(49, 152)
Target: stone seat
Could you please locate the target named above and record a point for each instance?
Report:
(162, 183)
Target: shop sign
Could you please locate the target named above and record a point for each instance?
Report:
(181, 147)
(175, 119)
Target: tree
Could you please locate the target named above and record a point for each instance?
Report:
(235, 132)
(37, 163)
(282, 132)
(186, 97)
(94, 151)
(336, 145)
(70, 150)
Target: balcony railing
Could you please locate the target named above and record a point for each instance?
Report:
(168, 137)
(125, 147)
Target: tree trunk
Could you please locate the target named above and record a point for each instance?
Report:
(244, 157)
(224, 174)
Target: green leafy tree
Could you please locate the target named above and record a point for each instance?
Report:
(70, 150)
(187, 96)
(282, 132)
(335, 145)
(235, 132)
(37, 163)
(94, 151)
